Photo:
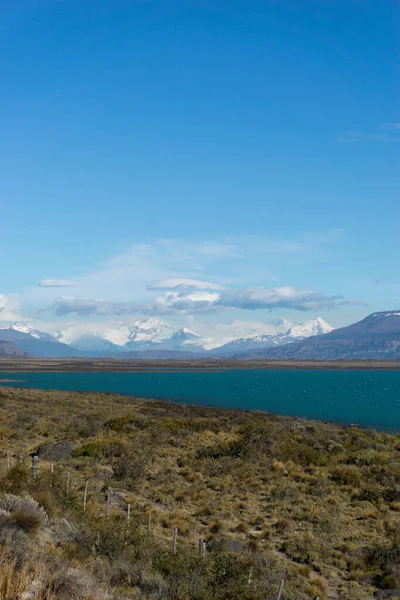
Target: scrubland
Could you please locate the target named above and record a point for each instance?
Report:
(274, 498)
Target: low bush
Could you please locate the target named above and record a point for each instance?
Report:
(22, 513)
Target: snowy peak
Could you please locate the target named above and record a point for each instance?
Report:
(184, 334)
(150, 330)
(35, 333)
(281, 325)
(309, 328)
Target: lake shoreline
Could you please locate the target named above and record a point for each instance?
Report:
(53, 365)
(369, 398)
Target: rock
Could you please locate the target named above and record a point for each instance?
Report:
(64, 527)
(103, 474)
(55, 452)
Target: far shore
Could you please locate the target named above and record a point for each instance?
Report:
(26, 365)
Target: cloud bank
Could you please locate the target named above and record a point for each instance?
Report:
(9, 307)
(203, 301)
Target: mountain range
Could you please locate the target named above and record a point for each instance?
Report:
(375, 337)
(153, 338)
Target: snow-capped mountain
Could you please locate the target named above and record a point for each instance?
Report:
(293, 333)
(185, 336)
(244, 330)
(244, 344)
(39, 335)
(96, 339)
(151, 330)
(375, 337)
(307, 329)
(35, 342)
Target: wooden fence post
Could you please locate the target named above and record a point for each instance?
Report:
(202, 546)
(250, 576)
(149, 524)
(175, 540)
(280, 591)
(35, 460)
(85, 495)
(128, 515)
(8, 460)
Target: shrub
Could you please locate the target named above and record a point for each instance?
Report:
(22, 513)
(46, 499)
(346, 475)
(16, 480)
(101, 449)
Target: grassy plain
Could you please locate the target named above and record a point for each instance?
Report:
(274, 498)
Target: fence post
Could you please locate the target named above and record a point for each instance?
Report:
(85, 495)
(67, 482)
(149, 524)
(280, 591)
(35, 460)
(175, 540)
(202, 546)
(8, 460)
(128, 515)
(250, 576)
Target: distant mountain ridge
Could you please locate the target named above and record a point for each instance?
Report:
(153, 338)
(37, 343)
(9, 349)
(294, 333)
(373, 338)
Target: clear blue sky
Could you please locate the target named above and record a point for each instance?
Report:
(245, 143)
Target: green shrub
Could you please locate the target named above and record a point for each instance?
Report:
(101, 449)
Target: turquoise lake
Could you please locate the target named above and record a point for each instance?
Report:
(368, 398)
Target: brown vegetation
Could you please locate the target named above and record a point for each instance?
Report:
(273, 497)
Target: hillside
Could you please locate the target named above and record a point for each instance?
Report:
(37, 342)
(274, 498)
(9, 349)
(377, 337)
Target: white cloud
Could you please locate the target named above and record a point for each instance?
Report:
(185, 303)
(207, 264)
(183, 283)
(65, 305)
(203, 301)
(284, 297)
(9, 307)
(54, 283)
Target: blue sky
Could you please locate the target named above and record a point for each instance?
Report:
(249, 144)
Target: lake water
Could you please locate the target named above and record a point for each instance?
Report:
(369, 398)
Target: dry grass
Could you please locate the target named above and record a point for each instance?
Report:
(318, 502)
